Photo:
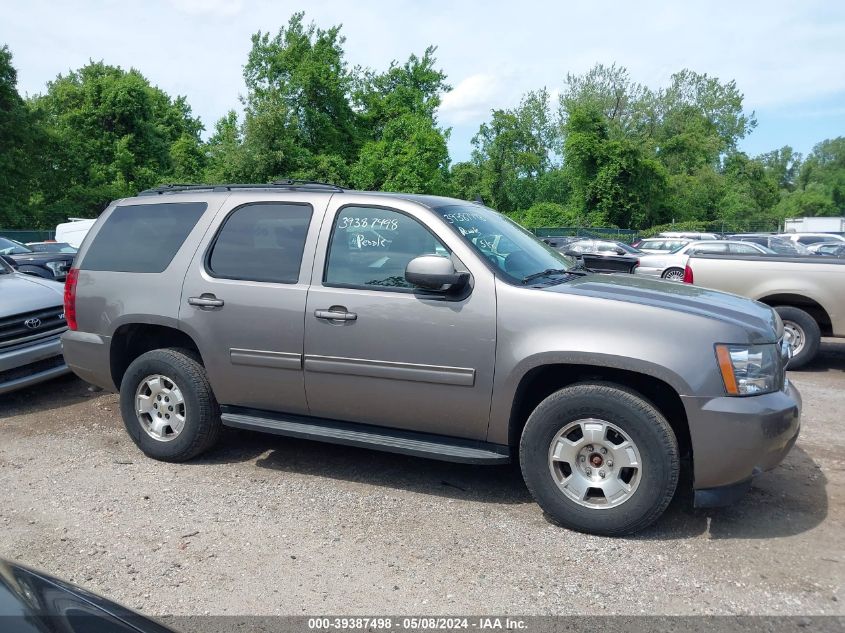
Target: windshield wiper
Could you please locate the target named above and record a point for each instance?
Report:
(553, 271)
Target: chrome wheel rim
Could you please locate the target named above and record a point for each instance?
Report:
(595, 463)
(794, 336)
(160, 407)
(674, 275)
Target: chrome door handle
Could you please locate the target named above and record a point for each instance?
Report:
(335, 315)
(206, 301)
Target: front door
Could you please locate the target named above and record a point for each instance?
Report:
(379, 352)
(244, 297)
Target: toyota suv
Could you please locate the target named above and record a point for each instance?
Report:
(394, 322)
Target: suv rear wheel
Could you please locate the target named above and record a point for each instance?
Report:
(599, 458)
(167, 405)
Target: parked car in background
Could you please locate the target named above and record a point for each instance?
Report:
(812, 238)
(51, 247)
(433, 340)
(604, 256)
(830, 249)
(74, 231)
(659, 244)
(559, 242)
(690, 235)
(671, 266)
(25, 260)
(774, 242)
(31, 321)
(807, 292)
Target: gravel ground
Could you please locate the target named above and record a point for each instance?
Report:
(268, 525)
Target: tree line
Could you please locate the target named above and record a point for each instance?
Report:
(606, 152)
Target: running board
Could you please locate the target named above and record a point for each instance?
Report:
(367, 436)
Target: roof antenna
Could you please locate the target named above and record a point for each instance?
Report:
(479, 199)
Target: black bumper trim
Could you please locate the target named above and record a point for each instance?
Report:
(721, 496)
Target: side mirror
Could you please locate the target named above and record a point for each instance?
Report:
(434, 273)
(9, 261)
(620, 251)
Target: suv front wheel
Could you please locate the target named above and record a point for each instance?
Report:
(599, 458)
(167, 405)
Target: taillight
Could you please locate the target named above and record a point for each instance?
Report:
(688, 277)
(70, 298)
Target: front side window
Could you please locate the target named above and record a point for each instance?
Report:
(485, 230)
(744, 249)
(370, 247)
(262, 242)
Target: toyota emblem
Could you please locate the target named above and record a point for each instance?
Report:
(32, 323)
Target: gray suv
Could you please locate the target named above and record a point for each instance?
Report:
(426, 326)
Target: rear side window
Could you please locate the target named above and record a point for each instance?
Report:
(142, 238)
(261, 242)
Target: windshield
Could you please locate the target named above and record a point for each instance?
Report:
(11, 247)
(512, 250)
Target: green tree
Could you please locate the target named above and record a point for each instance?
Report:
(298, 103)
(405, 148)
(513, 151)
(110, 134)
(21, 150)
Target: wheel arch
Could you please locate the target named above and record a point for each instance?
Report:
(541, 381)
(802, 302)
(130, 340)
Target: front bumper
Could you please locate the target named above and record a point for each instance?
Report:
(735, 438)
(31, 364)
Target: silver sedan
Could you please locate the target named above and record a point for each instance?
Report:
(671, 265)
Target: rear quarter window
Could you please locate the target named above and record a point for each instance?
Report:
(142, 238)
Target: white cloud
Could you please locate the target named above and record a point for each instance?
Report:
(472, 98)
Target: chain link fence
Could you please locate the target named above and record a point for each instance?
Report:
(24, 236)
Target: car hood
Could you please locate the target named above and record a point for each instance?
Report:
(25, 293)
(759, 320)
(41, 258)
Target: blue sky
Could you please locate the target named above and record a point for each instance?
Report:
(787, 57)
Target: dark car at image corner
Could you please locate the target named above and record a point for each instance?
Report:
(34, 602)
(48, 265)
(425, 326)
(31, 322)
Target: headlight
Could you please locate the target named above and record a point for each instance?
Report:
(749, 370)
(59, 269)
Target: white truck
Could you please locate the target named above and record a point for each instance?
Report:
(74, 231)
(807, 292)
(814, 225)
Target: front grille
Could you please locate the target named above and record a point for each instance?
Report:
(31, 369)
(31, 325)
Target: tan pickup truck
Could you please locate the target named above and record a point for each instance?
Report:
(807, 292)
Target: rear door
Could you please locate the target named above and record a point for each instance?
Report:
(244, 296)
(396, 356)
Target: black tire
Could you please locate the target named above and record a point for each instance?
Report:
(645, 426)
(673, 271)
(202, 413)
(797, 318)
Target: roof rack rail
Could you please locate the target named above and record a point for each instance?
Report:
(304, 185)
